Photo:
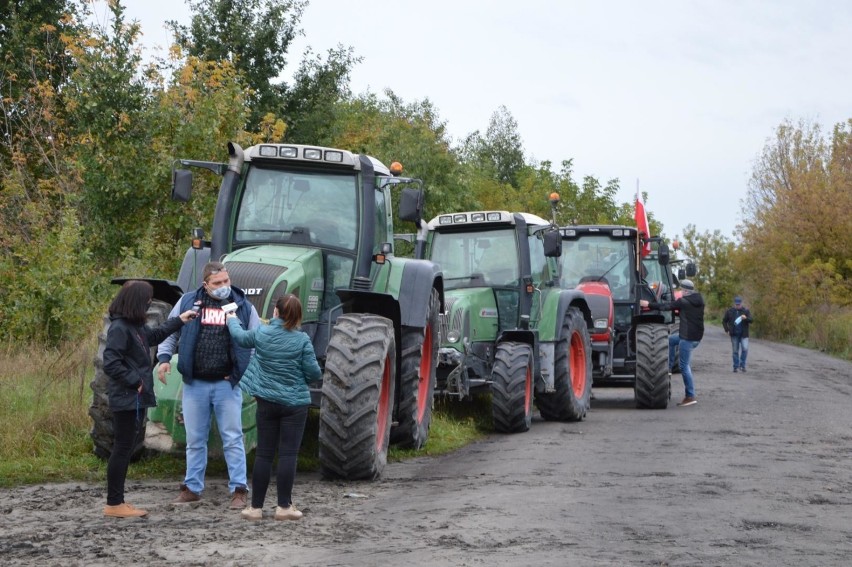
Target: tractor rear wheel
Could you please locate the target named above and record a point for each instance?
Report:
(572, 372)
(357, 397)
(417, 383)
(102, 430)
(512, 387)
(653, 386)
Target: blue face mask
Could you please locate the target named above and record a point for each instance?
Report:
(221, 293)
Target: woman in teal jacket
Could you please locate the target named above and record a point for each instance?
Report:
(277, 376)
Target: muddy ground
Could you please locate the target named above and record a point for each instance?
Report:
(758, 473)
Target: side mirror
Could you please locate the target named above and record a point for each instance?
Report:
(552, 241)
(663, 256)
(681, 274)
(691, 270)
(411, 204)
(181, 185)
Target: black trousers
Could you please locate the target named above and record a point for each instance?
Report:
(125, 425)
(280, 428)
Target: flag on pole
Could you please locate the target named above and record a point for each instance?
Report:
(642, 222)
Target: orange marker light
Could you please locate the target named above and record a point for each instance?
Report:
(396, 168)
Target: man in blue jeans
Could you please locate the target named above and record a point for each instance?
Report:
(211, 366)
(691, 307)
(736, 322)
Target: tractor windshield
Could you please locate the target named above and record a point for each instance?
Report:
(314, 209)
(477, 259)
(598, 258)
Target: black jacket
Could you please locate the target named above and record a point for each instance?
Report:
(732, 328)
(127, 361)
(691, 309)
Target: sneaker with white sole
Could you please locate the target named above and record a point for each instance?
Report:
(288, 513)
(253, 514)
(688, 401)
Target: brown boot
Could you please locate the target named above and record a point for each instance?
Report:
(124, 510)
(186, 496)
(238, 498)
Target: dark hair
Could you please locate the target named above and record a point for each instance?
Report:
(289, 310)
(211, 269)
(132, 301)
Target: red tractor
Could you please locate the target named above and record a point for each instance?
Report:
(629, 344)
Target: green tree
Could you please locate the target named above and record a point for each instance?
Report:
(253, 35)
(797, 234)
(499, 154)
(717, 278)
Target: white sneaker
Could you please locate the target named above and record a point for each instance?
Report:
(253, 514)
(288, 513)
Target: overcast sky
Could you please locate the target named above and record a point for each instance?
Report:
(679, 95)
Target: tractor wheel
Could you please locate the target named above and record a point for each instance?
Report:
(572, 372)
(357, 397)
(102, 432)
(676, 368)
(653, 385)
(512, 387)
(417, 383)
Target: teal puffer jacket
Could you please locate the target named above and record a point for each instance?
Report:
(282, 365)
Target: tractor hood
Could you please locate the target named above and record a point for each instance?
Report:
(472, 316)
(267, 272)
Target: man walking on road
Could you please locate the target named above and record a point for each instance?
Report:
(736, 322)
(211, 365)
(691, 307)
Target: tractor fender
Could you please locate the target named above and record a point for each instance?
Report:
(419, 277)
(555, 308)
(164, 290)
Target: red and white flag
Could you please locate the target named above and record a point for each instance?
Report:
(642, 222)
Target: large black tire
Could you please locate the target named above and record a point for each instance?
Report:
(102, 431)
(417, 383)
(676, 367)
(653, 385)
(572, 372)
(357, 397)
(512, 387)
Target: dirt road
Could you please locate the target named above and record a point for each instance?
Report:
(758, 473)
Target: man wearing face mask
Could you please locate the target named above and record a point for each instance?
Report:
(211, 366)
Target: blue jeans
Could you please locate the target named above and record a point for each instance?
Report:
(686, 348)
(201, 400)
(739, 348)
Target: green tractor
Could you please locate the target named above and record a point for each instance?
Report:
(315, 222)
(508, 329)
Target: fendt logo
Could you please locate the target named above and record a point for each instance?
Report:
(254, 291)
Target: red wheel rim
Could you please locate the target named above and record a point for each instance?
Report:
(528, 392)
(577, 364)
(384, 406)
(425, 378)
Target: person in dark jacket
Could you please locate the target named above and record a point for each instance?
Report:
(736, 322)
(277, 376)
(691, 308)
(211, 365)
(127, 362)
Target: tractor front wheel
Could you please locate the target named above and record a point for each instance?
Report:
(512, 387)
(572, 372)
(357, 397)
(653, 385)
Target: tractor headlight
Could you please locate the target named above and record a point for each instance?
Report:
(453, 336)
(601, 324)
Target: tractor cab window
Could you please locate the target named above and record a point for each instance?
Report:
(381, 221)
(307, 208)
(599, 258)
(477, 259)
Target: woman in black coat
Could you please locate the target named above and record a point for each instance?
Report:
(128, 363)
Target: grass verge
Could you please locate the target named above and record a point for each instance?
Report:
(44, 401)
